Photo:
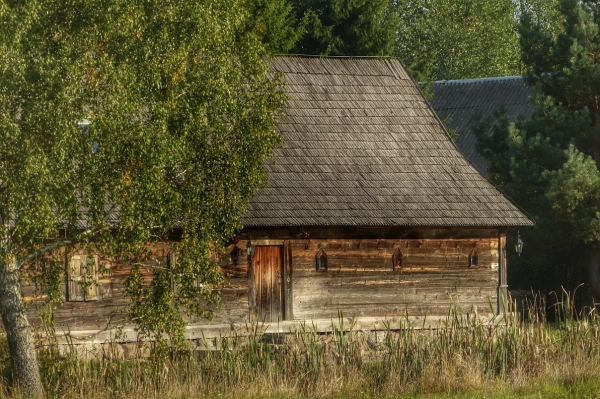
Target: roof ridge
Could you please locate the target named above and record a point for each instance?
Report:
(377, 57)
(478, 80)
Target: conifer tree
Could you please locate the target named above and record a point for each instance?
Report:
(275, 23)
(549, 164)
(347, 27)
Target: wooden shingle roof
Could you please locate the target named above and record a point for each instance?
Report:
(362, 147)
(460, 99)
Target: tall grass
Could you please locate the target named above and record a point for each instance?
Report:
(464, 354)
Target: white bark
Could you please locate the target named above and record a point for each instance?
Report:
(25, 366)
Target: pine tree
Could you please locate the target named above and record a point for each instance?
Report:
(549, 164)
(275, 23)
(347, 27)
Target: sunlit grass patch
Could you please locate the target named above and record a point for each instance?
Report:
(509, 357)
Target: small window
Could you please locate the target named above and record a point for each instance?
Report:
(321, 261)
(82, 278)
(397, 260)
(473, 258)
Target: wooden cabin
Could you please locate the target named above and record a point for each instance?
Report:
(370, 209)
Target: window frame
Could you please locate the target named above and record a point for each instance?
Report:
(82, 281)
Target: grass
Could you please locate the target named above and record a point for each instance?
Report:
(465, 358)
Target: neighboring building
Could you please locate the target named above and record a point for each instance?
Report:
(370, 209)
(459, 100)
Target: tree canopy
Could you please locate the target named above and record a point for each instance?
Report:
(275, 23)
(347, 27)
(445, 39)
(468, 39)
(436, 39)
(120, 120)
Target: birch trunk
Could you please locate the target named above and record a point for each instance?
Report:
(26, 372)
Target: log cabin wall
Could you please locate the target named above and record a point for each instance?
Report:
(435, 274)
(361, 278)
(109, 309)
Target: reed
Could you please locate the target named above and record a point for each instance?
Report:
(462, 355)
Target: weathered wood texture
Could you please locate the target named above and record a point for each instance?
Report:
(280, 235)
(434, 275)
(268, 272)
(361, 280)
(210, 336)
(502, 274)
(110, 308)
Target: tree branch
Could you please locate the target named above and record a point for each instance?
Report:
(57, 244)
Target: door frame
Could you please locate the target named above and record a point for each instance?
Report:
(286, 285)
(269, 282)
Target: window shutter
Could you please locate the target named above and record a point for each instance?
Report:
(74, 289)
(91, 276)
(82, 269)
(172, 263)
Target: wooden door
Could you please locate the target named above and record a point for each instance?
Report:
(268, 275)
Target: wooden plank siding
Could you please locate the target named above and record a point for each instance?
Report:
(360, 280)
(110, 309)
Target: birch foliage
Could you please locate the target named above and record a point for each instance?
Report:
(121, 120)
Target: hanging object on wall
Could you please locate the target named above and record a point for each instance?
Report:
(519, 244)
(250, 250)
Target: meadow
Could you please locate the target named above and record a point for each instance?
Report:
(517, 355)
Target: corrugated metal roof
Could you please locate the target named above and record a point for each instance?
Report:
(460, 99)
(362, 147)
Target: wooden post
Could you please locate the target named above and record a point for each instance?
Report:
(253, 316)
(502, 276)
(288, 313)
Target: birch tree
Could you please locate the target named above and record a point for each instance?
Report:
(120, 119)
